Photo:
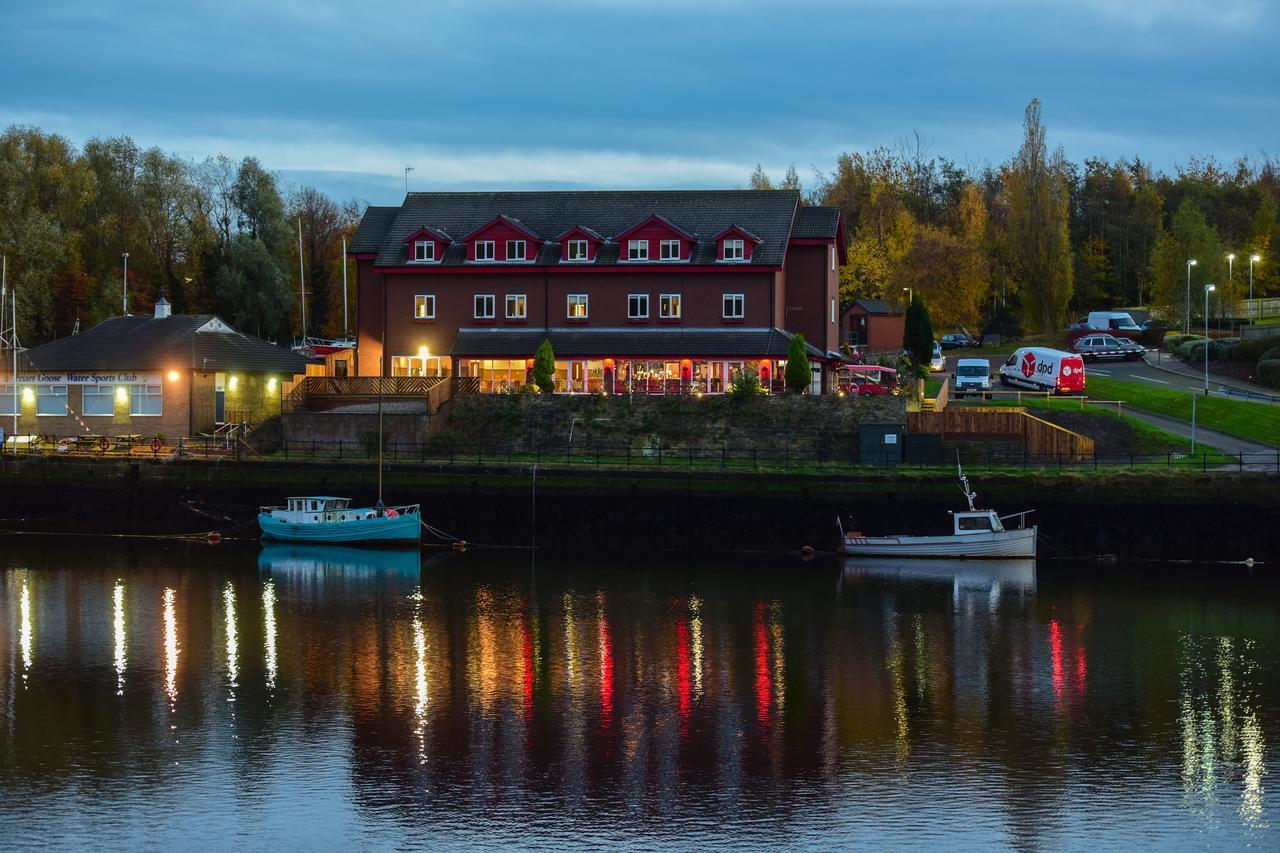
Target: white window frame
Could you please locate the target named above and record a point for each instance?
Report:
(637, 250)
(833, 310)
(427, 250)
(7, 401)
(51, 391)
(573, 299)
(833, 258)
(669, 250)
(98, 395)
(524, 306)
(517, 244)
(739, 301)
(665, 301)
(427, 302)
(491, 303)
(582, 248)
(488, 247)
(640, 297)
(140, 394)
(739, 249)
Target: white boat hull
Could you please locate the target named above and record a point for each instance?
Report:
(994, 544)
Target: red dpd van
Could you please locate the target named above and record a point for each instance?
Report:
(1042, 369)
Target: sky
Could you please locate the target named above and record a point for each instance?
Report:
(616, 93)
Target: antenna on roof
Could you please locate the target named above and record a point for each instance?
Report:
(302, 284)
(407, 170)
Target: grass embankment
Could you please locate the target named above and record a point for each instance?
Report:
(1255, 421)
(1138, 437)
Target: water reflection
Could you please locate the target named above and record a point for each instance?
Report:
(406, 704)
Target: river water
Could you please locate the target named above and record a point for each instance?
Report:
(171, 696)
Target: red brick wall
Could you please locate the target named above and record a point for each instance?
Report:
(811, 285)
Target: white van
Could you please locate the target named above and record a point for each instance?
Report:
(1041, 369)
(1111, 321)
(973, 375)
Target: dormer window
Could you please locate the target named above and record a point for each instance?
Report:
(735, 245)
(735, 250)
(669, 250)
(512, 234)
(424, 251)
(637, 250)
(515, 250)
(484, 250)
(578, 250)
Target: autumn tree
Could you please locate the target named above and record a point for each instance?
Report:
(1189, 237)
(1039, 245)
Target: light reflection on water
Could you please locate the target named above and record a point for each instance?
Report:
(473, 700)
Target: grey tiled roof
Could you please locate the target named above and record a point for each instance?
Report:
(372, 230)
(816, 223)
(149, 343)
(623, 342)
(874, 306)
(766, 214)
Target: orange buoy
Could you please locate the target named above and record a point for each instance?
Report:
(214, 537)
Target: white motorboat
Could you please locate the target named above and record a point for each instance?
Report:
(975, 534)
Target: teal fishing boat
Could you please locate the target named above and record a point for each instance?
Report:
(324, 518)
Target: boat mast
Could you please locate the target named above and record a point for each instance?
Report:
(345, 333)
(964, 482)
(302, 284)
(11, 340)
(379, 381)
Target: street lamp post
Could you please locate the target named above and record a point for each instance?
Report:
(124, 285)
(1254, 258)
(1208, 288)
(1231, 287)
(1186, 317)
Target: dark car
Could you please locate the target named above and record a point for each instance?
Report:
(957, 340)
(1108, 348)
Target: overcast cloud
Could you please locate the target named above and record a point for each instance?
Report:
(659, 93)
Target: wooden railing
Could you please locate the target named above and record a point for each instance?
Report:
(1039, 437)
(434, 388)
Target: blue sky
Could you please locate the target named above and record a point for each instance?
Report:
(638, 94)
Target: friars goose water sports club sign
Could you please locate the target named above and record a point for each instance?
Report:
(126, 377)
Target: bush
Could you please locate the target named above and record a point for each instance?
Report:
(799, 373)
(1254, 349)
(1269, 372)
(1270, 355)
(747, 384)
(1173, 341)
(1186, 347)
(1223, 349)
(544, 368)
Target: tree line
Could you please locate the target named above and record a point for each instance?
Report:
(1038, 240)
(214, 236)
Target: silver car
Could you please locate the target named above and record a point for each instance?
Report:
(1108, 348)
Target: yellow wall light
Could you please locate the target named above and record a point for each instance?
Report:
(422, 352)
(271, 384)
(122, 394)
(173, 375)
(28, 395)
(234, 381)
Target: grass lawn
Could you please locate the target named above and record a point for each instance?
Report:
(1254, 421)
(1144, 438)
(932, 386)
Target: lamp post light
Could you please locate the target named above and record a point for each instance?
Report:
(1208, 288)
(1186, 316)
(911, 294)
(1231, 286)
(1254, 258)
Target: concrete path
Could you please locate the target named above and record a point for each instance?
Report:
(1264, 456)
(1179, 376)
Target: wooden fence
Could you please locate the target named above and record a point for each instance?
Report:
(1038, 436)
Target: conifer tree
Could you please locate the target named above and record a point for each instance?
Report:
(544, 368)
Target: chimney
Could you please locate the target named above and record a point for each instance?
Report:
(162, 308)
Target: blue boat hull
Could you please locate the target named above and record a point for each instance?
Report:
(383, 529)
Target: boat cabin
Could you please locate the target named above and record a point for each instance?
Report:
(970, 522)
(317, 504)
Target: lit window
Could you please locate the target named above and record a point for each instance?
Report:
(484, 250)
(424, 251)
(424, 306)
(485, 305)
(734, 250)
(637, 250)
(146, 399)
(51, 400)
(669, 250)
(833, 310)
(98, 400)
(517, 306)
(577, 306)
(735, 306)
(669, 306)
(638, 306)
(833, 258)
(578, 250)
(515, 250)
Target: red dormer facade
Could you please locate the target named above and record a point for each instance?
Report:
(579, 245)
(502, 240)
(735, 245)
(427, 246)
(655, 240)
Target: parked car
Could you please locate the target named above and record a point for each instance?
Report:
(1042, 369)
(957, 340)
(937, 363)
(1107, 348)
(1114, 321)
(972, 375)
(867, 380)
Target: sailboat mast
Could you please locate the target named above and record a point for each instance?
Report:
(302, 284)
(344, 287)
